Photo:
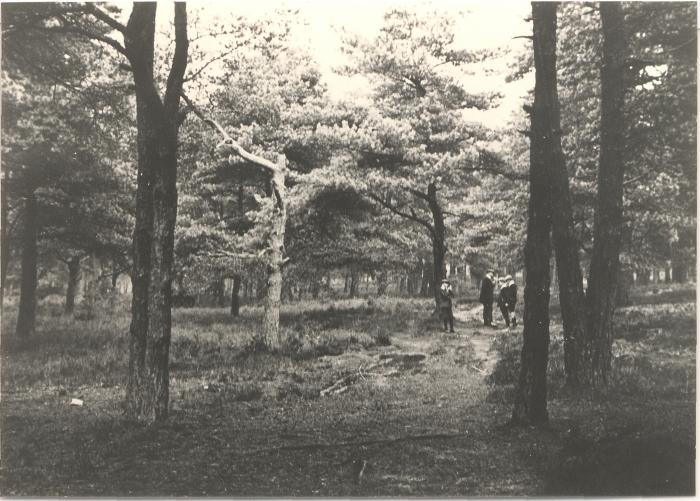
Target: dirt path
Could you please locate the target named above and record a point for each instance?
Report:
(480, 337)
(415, 420)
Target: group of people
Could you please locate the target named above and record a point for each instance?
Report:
(507, 297)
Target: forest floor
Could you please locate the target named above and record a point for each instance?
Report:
(371, 399)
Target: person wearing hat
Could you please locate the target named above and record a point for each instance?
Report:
(486, 297)
(446, 296)
(507, 297)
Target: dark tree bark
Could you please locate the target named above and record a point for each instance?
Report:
(568, 267)
(605, 258)
(235, 300)
(531, 395)
(73, 277)
(26, 317)
(158, 123)
(437, 233)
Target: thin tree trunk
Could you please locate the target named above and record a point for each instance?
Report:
(531, 394)
(438, 240)
(424, 278)
(271, 315)
(90, 290)
(381, 283)
(73, 277)
(235, 300)
(605, 258)
(354, 281)
(26, 317)
(147, 394)
(219, 288)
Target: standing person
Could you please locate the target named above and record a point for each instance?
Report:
(502, 300)
(507, 299)
(513, 298)
(446, 296)
(486, 297)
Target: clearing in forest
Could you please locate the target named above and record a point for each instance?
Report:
(375, 401)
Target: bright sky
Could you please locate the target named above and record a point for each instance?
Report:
(485, 24)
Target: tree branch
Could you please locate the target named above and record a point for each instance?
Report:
(490, 163)
(417, 193)
(93, 9)
(230, 145)
(412, 216)
(179, 63)
(69, 27)
(201, 69)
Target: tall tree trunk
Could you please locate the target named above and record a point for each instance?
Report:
(26, 317)
(271, 315)
(568, 267)
(158, 121)
(531, 395)
(73, 277)
(235, 300)
(605, 258)
(438, 240)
